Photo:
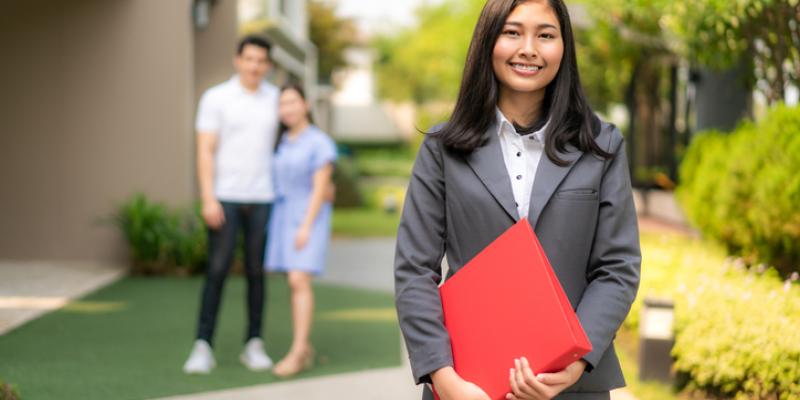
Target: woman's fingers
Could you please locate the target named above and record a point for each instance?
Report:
(524, 383)
(558, 378)
(512, 378)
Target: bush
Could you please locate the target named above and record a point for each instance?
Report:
(736, 330)
(346, 179)
(8, 392)
(743, 189)
(162, 240)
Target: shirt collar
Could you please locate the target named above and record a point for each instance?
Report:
(504, 125)
(238, 84)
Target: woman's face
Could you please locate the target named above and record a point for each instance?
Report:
(293, 108)
(528, 52)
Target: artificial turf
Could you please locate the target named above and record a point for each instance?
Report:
(129, 340)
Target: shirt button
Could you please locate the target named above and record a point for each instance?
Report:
(519, 154)
(519, 177)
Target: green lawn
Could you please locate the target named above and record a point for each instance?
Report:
(129, 340)
(372, 220)
(364, 222)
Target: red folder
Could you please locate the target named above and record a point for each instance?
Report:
(507, 303)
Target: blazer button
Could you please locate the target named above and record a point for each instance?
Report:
(519, 177)
(519, 154)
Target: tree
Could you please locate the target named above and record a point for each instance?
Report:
(424, 63)
(765, 34)
(332, 35)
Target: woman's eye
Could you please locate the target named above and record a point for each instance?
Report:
(547, 36)
(511, 33)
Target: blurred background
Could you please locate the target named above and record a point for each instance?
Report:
(102, 249)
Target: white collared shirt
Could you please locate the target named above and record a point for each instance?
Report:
(521, 155)
(246, 124)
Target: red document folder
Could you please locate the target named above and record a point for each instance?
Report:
(507, 303)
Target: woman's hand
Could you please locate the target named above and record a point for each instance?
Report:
(212, 213)
(301, 237)
(526, 385)
(450, 386)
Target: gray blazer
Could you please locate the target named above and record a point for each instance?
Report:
(583, 215)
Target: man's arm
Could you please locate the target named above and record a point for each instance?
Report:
(212, 209)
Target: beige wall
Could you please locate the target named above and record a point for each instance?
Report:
(97, 99)
(215, 47)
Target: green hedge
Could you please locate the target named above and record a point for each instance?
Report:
(743, 189)
(162, 240)
(737, 330)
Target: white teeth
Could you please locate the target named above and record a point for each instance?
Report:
(526, 67)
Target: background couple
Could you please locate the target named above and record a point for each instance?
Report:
(264, 169)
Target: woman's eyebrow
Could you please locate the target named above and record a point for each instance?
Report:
(543, 25)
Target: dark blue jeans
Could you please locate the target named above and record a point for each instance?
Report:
(251, 219)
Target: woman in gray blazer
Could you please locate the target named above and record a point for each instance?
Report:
(522, 142)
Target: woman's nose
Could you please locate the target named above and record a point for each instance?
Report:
(528, 47)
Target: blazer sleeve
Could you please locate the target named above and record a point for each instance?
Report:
(615, 258)
(417, 265)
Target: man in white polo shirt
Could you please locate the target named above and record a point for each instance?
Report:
(236, 125)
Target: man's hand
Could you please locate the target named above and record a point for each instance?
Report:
(450, 386)
(213, 215)
(525, 385)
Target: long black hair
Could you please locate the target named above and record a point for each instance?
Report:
(572, 120)
(282, 128)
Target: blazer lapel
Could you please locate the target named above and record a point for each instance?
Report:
(487, 162)
(548, 177)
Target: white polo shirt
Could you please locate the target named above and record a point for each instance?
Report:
(247, 124)
(521, 155)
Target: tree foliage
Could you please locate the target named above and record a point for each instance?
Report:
(424, 63)
(763, 33)
(332, 35)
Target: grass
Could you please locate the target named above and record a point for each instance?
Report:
(129, 340)
(364, 222)
(395, 162)
(372, 220)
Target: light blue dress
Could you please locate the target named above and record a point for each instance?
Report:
(293, 168)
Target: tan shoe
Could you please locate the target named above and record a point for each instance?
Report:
(294, 363)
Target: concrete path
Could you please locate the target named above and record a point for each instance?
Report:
(29, 289)
(378, 384)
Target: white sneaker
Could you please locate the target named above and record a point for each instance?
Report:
(254, 357)
(201, 361)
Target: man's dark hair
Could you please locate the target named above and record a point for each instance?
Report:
(254, 40)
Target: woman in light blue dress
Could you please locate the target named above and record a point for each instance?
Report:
(299, 229)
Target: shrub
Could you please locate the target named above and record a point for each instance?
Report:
(346, 179)
(8, 392)
(736, 329)
(743, 189)
(162, 240)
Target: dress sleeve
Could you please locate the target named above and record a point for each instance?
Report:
(324, 152)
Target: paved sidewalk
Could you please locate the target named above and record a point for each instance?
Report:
(29, 289)
(378, 384)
